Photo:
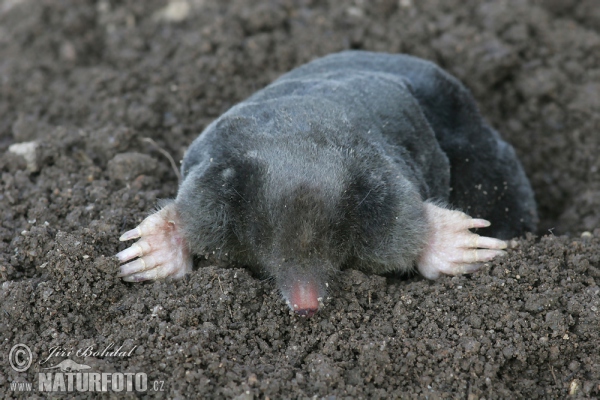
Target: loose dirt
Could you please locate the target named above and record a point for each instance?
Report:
(90, 80)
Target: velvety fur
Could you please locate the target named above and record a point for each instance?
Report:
(329, 166)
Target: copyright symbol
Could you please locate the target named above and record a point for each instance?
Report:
(20, 357)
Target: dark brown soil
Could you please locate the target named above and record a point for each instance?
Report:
(90, 80)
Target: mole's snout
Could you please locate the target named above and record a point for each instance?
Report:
(304, 297)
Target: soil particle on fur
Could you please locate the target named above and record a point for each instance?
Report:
(88, 81)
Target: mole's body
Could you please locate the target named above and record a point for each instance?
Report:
(353, 160)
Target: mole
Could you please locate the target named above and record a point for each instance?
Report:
(373, 161)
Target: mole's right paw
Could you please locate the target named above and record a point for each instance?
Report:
(451, 248)
(161, 252)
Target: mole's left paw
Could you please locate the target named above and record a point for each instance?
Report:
(161, 252)
(451, 248)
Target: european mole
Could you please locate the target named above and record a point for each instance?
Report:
(354, 160)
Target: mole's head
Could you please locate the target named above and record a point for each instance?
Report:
(301, 242)
(290, 220)
(299, 212)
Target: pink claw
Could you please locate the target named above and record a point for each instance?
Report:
(161, 250)
(132, 234)
(451, 248)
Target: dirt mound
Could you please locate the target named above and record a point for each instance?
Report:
(89, 80)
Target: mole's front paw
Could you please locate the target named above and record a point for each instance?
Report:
(451, 248)
(161, 251)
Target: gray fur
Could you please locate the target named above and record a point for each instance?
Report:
(329, 166)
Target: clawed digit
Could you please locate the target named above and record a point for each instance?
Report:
(451, 248)
(160, 252)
